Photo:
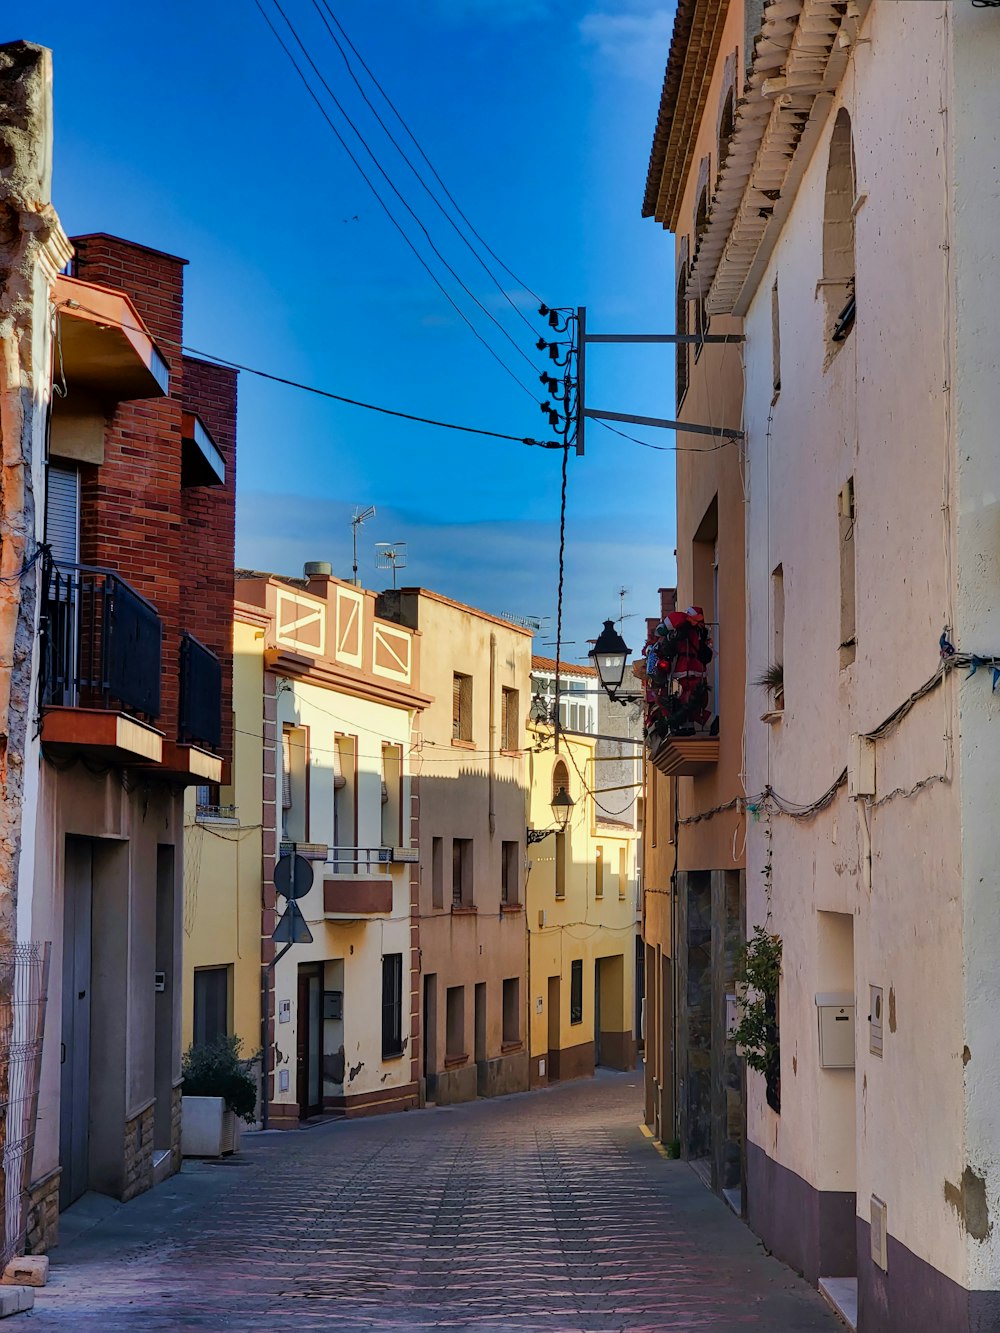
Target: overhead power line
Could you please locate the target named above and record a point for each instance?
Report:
(384, 206)
(321, 5)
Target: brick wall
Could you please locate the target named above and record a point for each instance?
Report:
(175, 546)
(208, 529)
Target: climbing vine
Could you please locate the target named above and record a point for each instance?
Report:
(757, 1034)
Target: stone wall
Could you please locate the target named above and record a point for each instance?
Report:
(176, 1104)
(138, 1154)
(43, 1214)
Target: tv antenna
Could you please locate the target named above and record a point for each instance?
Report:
(623, 592)
(534, 623)
(390, 555)
(360, 516)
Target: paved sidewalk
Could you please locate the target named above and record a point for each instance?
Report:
(544, 1211)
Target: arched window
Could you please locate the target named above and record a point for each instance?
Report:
(838, 232)
(700, 223)
(681, 324)
(560, 777)
(727, 123)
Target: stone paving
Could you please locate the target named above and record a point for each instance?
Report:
(547, 1210)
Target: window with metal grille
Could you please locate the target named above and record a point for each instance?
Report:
(576, 991)
(392, 1004)
(510, 733)
(461, 707)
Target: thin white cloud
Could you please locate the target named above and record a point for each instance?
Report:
(634, 46)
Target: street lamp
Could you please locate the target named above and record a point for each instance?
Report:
(610, 653)
(562, 809)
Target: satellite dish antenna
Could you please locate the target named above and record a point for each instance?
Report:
(390, 555)
(360, 516)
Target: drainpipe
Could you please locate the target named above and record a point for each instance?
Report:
(493, 734)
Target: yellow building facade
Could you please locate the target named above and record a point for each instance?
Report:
(581, 917)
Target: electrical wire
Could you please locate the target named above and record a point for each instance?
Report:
(311, 388)
(520, 282)
(383, 205)
(319, 6)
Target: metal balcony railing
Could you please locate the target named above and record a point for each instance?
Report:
(102, 642)
(201, 694)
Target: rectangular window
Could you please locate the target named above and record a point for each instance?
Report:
(461, 708)
(599, 873)
(392, 796)
(392, 1004)
(344, 806)
(510, 730)
(576, 991)
(295, 783)
(455, 1023)
(509, 881)
(211, 1004)
(437, 872)
(560, 865)
(776, 667)
(775, 342)
(461, 872)
(622, 873)
(848, 625)
(511, 1011)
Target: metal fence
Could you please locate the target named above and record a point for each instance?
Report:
(24, 987)
(201, 693)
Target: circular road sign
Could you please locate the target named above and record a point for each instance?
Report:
(293, 876)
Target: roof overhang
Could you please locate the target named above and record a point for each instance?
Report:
(799, 60)
(201, 462)
(104, 347)
(694, 48)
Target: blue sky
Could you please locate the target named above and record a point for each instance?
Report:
(186, 128)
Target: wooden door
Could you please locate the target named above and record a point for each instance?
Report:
(309, 1042)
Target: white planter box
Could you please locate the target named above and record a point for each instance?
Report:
(208, 1129)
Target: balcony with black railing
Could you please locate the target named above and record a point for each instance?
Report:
(101, 663)
(201, 695)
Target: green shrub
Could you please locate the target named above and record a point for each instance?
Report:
(216, 1070)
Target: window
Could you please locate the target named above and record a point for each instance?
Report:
(392, 796)
(560, 778)
(509, 877)
(599, 873)
(461, 872)
(727, 123)
(838, 232)
(848, 626)
(776, 667)
(455, 1023)
(211, 1004)
(775, 343)
(437, 872)
(576, 991)
(510, 733)
(344, 807)
(681, 322)
(461, 708)
(392, 1004)
(622, 873)
(512, 1011)
(62, 513)
(701, 320)
(560, 865)
(295, 783)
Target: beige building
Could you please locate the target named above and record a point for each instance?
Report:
(581, 914)
(469, 782)
(851, 227)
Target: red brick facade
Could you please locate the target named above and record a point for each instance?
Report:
(174, 544)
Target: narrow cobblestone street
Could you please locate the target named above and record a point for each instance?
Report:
(547, 1210)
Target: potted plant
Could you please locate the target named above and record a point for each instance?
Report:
(218, 1092)
(773, 680)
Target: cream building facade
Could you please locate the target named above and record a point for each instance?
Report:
(581, 917)
(850, 227)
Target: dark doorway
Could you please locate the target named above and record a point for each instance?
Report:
(74, 1102)
(554, 1016)
(309, 1050)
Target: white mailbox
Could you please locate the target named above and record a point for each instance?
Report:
(836, 1029)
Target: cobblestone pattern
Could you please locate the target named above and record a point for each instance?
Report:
(138, 1154)
(43, 1214)
(541, 1211)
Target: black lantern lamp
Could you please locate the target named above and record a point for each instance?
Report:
(562, 808)
(610, 653)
